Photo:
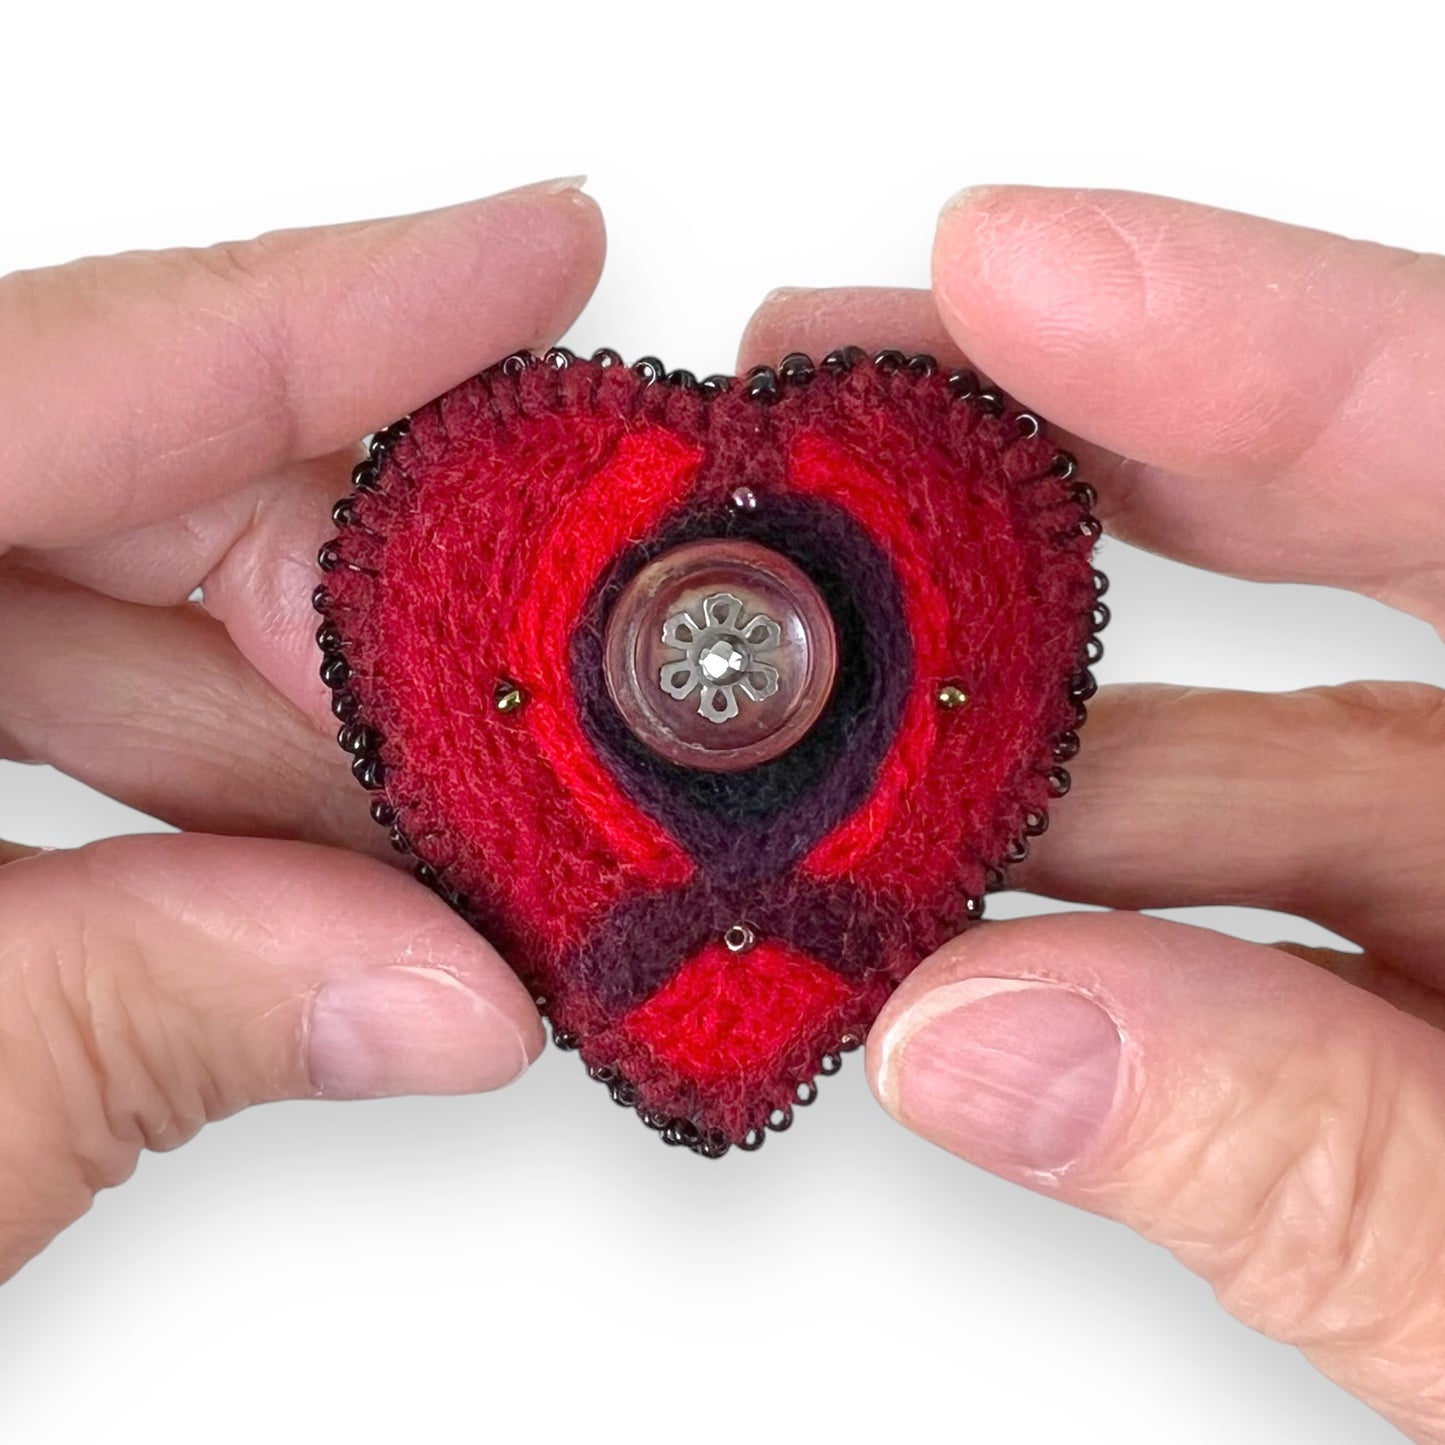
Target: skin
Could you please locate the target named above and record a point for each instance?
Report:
(193, 414)
(1261, 400)
(1276, 1117)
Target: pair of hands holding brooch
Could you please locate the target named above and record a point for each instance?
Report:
(1275, 1116)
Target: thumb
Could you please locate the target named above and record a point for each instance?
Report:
(1282, 1132)
(148, 985)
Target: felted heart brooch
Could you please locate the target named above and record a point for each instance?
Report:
(716, 705)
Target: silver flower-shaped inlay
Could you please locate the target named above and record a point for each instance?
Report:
(720, 656)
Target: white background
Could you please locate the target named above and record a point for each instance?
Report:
(533, 1264)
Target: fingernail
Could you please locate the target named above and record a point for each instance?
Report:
(1016, 1075)
(409, 1031)
(554, 187)
(968, 196)
(786, 293)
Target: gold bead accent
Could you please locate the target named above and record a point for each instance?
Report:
(509, 697)
(739, 938)
(951, 697)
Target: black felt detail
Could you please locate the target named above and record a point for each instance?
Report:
(643, 941)
(752, 824)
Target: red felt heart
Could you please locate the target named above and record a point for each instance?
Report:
(712, 940)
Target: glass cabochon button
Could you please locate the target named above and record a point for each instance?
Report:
(720, 655)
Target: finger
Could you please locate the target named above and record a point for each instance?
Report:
(817, 322)
(1268, 381)
(1323, 803)
(1376, 977)
(155, 707)
(1318, 803)
(150, 985)
(1280, 1131)
(251, 552)
(151, 381)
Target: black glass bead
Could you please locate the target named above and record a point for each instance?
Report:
(369, 771)
(844, 359)
(762, 384)
(796, 367)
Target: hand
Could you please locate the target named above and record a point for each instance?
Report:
(179, 420)
(1264, 401)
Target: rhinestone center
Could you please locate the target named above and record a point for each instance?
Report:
(723, 661)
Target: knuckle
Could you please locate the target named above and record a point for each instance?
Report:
(1310, 1208)
(242, 283)
(240, 266)
(1378, 751)
(1363, 714)
(100, 1061)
